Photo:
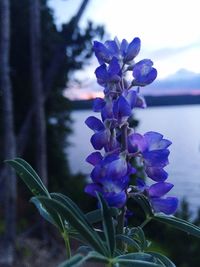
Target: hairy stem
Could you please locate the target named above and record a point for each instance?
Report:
(120, 226)
(124, 137)
(67, 243)
(148, 219)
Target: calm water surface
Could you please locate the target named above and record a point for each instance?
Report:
(180, 124)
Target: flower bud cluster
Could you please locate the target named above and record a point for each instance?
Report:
(115, 142)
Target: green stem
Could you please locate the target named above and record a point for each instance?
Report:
(124, 137)
(67, 243)
(120, 227)
(148, 219)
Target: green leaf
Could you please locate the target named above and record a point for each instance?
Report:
(96, 215)
(29, 176)
(74, 261)
(138, 256)
(50, 215)
(137, 263)
(43, 212)
(66, 201)
(167, 262)
(108, 226)
(69, 215)
(129, 241)
(78, 259)
(96, 257)
(138, 234)
(144, 203)
(179, 224)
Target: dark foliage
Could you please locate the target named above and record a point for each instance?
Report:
(72, 47)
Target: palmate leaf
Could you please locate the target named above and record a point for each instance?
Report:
(49, 215)
(95, 216)
(69, 215)
(66, 201)
(138, 234)
(179, 224)
(167, 262)
(137, 260)
(137, 263)
(29, 176)
(78, 259)
(108, 226)
(129, 241)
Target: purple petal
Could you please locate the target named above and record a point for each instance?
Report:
(107, 110)
(97, 173)
(142, 68)
(114, 67)
(167, 205)
(117, 168)
(155, 141)
(131, 98)
(94, 123)
(117, 200)
(121, 109)
(91, 189)
(157, 158)
(159, 189)
(144, 73)
(133, 49)
(100, 139)
(140, 102)
(98, 104)
(94, 158)
(153, 138)
(136, 142)
(115, 184)
(102, 74)
(156, 174)
(123, 47)
(101, 52)
(112, 47)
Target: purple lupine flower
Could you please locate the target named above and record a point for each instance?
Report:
(112, 167)
(130, 51)
(121, 109)
(101, 136)
(110, 177)
(98, 104)
(153, 149)
(144, 73)
(102, 53)
(110, 74)
(156, 193)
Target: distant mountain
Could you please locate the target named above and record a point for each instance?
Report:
(183, 80)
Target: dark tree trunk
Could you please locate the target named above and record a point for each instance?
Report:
(9, 136)
(49, 77)
(37, 90)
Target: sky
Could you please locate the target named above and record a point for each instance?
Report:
(168, 29)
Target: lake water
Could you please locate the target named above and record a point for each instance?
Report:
(180, 124)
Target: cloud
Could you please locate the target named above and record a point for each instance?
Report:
(171, 51)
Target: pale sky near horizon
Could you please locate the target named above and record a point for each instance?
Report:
(168, 29)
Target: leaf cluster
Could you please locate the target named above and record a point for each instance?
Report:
(97, 230)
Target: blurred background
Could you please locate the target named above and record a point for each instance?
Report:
(47, 84)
